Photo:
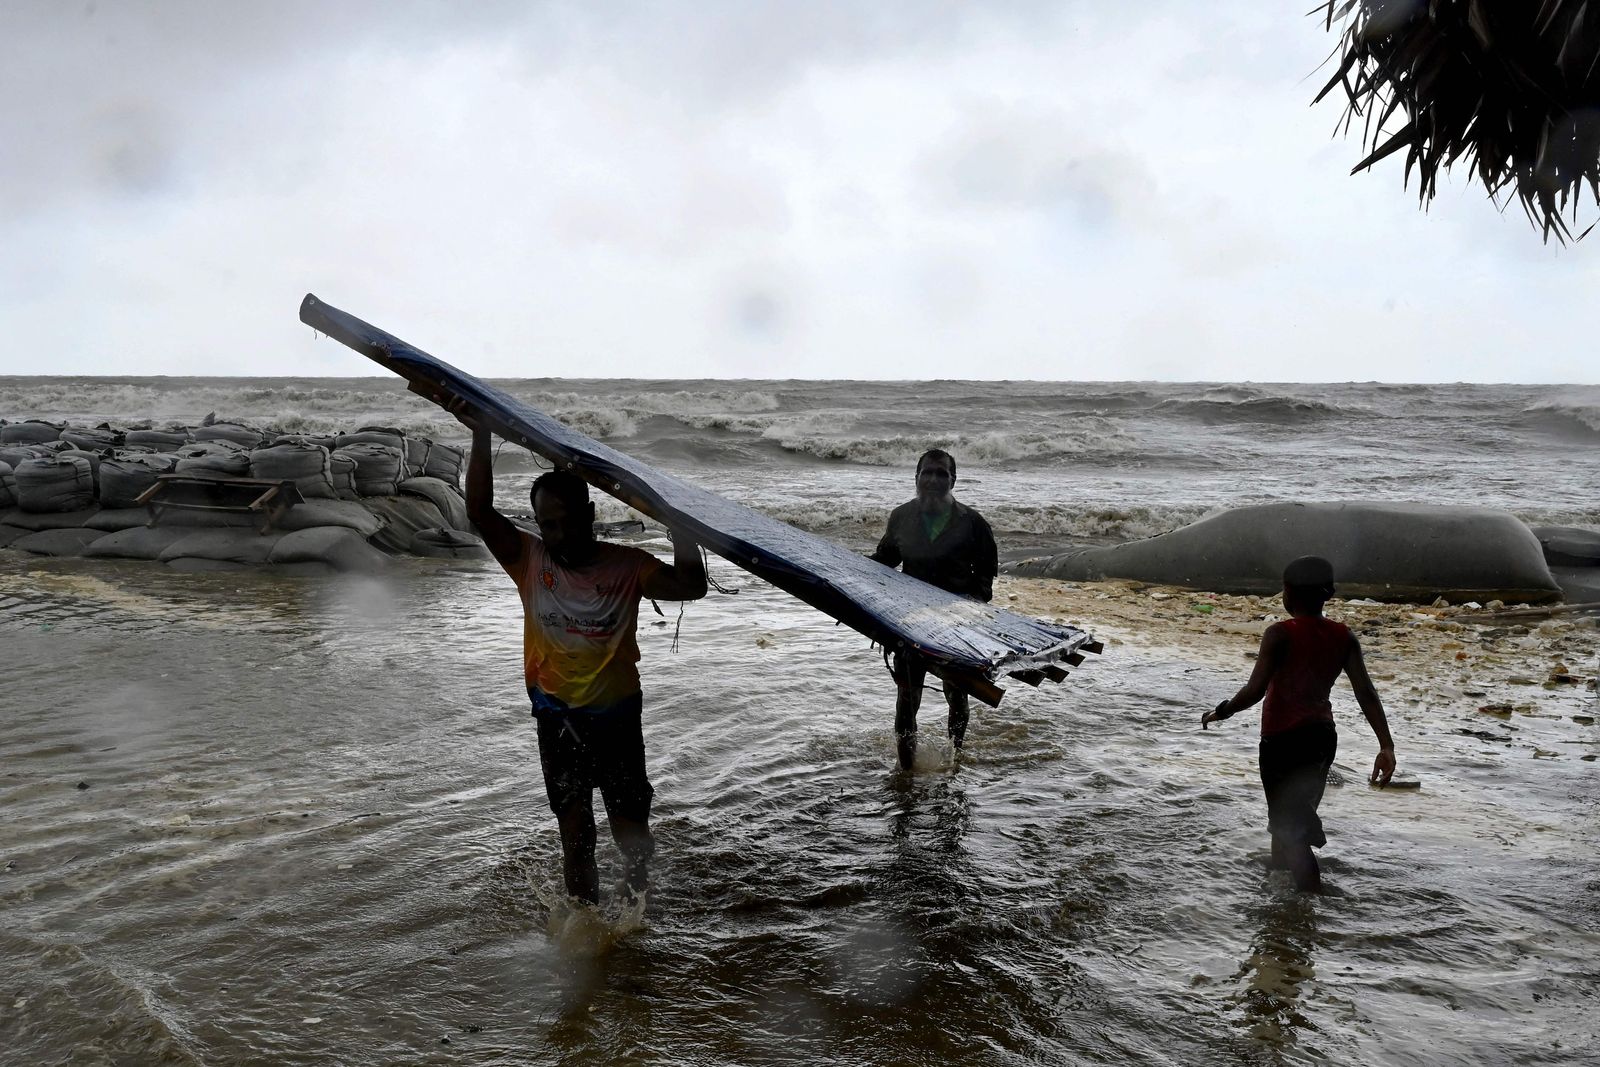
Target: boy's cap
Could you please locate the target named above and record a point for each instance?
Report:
(1308, 570)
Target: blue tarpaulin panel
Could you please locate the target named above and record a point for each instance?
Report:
(960, 639)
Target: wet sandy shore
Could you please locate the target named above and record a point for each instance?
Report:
(1501, 670)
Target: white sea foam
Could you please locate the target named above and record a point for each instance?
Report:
(827, 435)
(991, 448)
(602, 422)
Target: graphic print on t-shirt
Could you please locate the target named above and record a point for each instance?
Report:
(579, 642)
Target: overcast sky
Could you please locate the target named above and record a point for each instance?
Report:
(730, 188)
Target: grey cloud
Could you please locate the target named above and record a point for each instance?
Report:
(98, 99)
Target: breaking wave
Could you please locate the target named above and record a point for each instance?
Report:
(825, 435)
(1584, 418)
(1231, 405)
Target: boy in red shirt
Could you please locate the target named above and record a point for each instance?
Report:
(1300, 659)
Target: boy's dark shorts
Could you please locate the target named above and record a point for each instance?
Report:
(1294, 772)
(581, 750)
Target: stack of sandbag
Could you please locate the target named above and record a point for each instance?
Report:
(246, 437)
(414, 449)
(444, 462)
(54, 483)
(126, 475)
(307, 465)
(158, 440)
(30, 432)
(219, 457)
(379, 467)
(97, 439)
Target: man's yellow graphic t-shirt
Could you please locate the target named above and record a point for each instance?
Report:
(578, 637)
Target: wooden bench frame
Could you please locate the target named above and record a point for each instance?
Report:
(266, 498)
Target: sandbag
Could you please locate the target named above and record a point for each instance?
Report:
(448, 500)
(440, 543)
(231, 546)
(57, 483)
(49, 520)
(158, 440)
(13, 455)
(308, 466)
(404, 516)
(125, 476)
(246, 437)
(108, 519)
(97, 439)
(344, 475)
(8, 487)
(334, 546)
(9, 533)
(375, 435)
(1399, 552)
(416, 456)
(69, 542)
(92, 458)
(346, 513)
(1569, 546)
(379, 468)
(31, 432)
(444, 462)
(136, 542)
(220, 457)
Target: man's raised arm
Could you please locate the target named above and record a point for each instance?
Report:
(497, 531)
(684, 578)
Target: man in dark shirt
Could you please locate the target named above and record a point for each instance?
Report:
(945, 543)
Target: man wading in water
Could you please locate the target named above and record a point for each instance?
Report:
(580, 602)
(1300, 659)
(945, 543)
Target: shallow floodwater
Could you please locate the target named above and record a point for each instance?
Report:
(260, 820)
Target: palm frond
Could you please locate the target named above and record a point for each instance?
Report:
(1508, 88)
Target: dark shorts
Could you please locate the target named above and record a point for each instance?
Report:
(1294, 772)
(584, 750)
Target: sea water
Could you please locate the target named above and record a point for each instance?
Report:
(256, 819)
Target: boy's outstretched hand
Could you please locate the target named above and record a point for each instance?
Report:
(1216, 714)
(1383, 767)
